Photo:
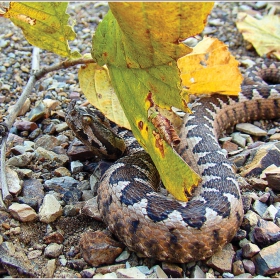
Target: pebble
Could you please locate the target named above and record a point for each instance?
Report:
(22, 212)
(20, 160)
(238, 139)
(159, 272)
(62, 172)
(91, 209)
(197, 272)
(50, 268)
(222, 260)
(238, 268)
(250, 129)
(47, 142)
(54, 237)
(270, 213)
(34, 254)
(172, 270)
(267, 260)
(25, 125)
(76, 166)
(33, 190)
(275, 137)
(123, 256)
(61, 127)
(13, 181)
(88, 273)
(50, 210)
(132, 272)
(259, 207)
(249, 250)
(53, 250)
(109, 268)
(38, 112)
(249, 266)
(228, 275)
(111, 275)
(98, 248)
(61, 184)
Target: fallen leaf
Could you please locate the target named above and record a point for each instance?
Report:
(264, 34)
(210, 68)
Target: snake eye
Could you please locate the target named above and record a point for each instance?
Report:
(87, 120)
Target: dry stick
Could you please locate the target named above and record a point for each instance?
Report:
(6, 197)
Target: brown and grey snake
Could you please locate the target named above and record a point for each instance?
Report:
(159, 226)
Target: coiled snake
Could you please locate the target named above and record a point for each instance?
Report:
(159, 226)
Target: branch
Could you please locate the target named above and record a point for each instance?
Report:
(63, 65)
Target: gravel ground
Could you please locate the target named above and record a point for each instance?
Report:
(34, 239)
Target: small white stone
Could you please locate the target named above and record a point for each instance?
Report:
(50, 210)
(111, 275)
(132, 272)
(123, 256)
(270, 213)
(76, 166)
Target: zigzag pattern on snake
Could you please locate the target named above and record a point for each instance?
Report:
(161, 227)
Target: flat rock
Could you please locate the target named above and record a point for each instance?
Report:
(50, 209)
(22, 212)
(76, 166)
(270, 213)
(48, 142)
(98, 248)
(111, 275)
(131, 272)
(109, 268)
(61, 184)
(20, 160)
(159, 272)
(238, 139)
(222, 260)
(88, 273)
(267, 260)
(250, 129)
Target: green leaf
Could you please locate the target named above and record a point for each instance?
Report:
(44, 25)
(140, 47)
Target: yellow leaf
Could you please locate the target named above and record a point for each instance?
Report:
(210, 68)
(44, 25)
(140, 46)
(96, 85)
(264, 34)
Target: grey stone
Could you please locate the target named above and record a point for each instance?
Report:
(20, 160)
(250, 129)
(132, 272)
(238, 139)
(249, 266)
(53, 250)
(259, 207)
(61, 184)
(270, 213)
(267, 260)
(123, 256)
(76, 166)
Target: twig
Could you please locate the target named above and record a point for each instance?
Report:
(63, 65)
(5, 196)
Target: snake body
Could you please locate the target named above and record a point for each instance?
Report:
(163, 228)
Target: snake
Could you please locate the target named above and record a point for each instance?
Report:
(155, 224)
